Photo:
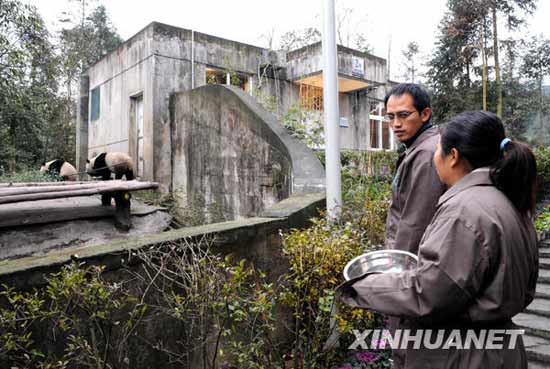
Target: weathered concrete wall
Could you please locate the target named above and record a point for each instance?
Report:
(156, 62)
(172, 48)
(93, 225)
(230, 153)
(82, 124)
(256, 239)
(125, 73)
(309, 60)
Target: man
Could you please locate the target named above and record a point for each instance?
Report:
(416, 187)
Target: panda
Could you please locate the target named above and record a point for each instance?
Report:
(106, 163)
(60, 167)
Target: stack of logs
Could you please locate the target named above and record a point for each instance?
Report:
(119, 190)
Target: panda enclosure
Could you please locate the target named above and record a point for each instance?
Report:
(43, 211)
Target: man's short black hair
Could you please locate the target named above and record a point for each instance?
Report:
(421, 99)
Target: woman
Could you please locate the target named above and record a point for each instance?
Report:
(478, 259)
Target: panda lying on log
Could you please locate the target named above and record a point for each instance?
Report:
(61, 168)
(106, 163)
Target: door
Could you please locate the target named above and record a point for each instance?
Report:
(139, 134)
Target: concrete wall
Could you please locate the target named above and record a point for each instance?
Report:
(121, 75)
(156, 62)
(172, 73)
(309, 60)
(257, 240)
(228, 152)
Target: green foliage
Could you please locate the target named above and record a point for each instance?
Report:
(268, 102)
(542, 221)
(37, 117)
(317, 257)
(542, 155)
(28, 100)
(29, 176)
(77, 307)
(305, 125)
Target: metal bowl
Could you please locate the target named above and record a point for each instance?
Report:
(383, 261)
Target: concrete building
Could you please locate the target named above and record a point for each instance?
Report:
(125, 96)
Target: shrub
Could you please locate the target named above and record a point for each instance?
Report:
(29, 175)
(542, 221)
(542, 154)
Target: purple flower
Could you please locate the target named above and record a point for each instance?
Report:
(346, 366)
(378, 344)
(366, 356)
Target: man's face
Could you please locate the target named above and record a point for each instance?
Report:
(406, 119)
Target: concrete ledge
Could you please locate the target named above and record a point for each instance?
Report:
(242, 234)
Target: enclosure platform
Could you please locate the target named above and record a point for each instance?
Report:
(47, 202)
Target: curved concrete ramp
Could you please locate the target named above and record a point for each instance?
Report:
(232, 158)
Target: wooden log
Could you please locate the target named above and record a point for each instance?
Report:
(11, 191)
(103, 188)
(50, 213)
(39, 184)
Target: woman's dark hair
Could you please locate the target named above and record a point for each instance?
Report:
(477, 136)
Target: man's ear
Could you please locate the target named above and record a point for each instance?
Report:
(426, 114)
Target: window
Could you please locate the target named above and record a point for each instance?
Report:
(311, 97)
(95, 104)
(221, 77)
(380, 134)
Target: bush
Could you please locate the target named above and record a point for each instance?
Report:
(542, 154)
(317, 257)
(29, 176)
(542, 221)
(184, 305)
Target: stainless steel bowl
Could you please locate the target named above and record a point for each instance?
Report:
(383, 261)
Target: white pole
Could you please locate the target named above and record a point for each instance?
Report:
(332, 113)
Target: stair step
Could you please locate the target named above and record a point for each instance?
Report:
(544, 263)
(534, 325)
(544, 276)
(538, 351)
(544, 253)
(539, 307)
(543, 291)
(536, 364)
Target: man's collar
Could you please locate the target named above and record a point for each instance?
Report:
(412, 140)
(426, 133)
(477, 177)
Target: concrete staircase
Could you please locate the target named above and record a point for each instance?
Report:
(536, 318)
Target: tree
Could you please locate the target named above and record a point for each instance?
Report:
(28, 84)
(451, 68)
(299, 38)
(510, 10)
(410, 54)
(88, 38)
(536, 65)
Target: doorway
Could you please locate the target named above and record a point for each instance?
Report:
(137, 124)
